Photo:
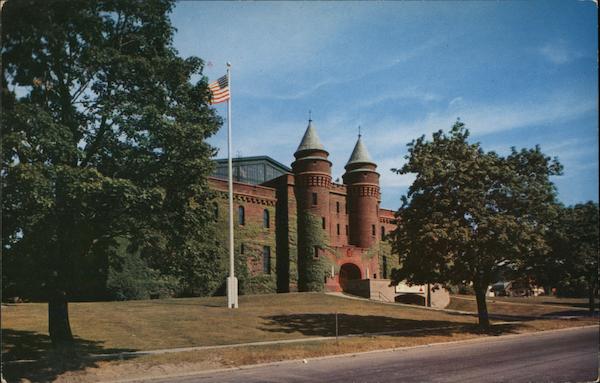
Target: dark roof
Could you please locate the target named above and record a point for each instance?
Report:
(256, 158)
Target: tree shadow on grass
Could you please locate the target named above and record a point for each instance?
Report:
(30, 355)
(513, 317)
(570, 313)
(583, 305)
(190, 302)
(348, 324)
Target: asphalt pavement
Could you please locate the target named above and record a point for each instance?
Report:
(557, 356)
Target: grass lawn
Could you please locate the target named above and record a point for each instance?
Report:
(168, 323)
(530, 306)
(103, 327)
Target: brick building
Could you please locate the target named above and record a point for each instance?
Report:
(295, 229)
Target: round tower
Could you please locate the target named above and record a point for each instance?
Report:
(362, 183)
(312, 178)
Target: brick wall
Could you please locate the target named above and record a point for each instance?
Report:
(278, 198)
(286, 221)
(252, 237)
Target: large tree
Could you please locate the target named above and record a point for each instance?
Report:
(104, 137)
(572, 265)
(470, 213)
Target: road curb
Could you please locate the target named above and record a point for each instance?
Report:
(352, 354)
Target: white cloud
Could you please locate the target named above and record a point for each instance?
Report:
(482, 119)
(412, 93)
(574, 154)
(299, 90)
(256, 37)
(296, 93)
(261, 134)
(455, 101)
(390, 179)
(557, 52)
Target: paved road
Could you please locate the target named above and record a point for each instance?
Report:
(564, 356)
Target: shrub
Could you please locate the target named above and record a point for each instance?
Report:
(130, 278)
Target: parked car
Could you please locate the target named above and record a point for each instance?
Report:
(514, 289)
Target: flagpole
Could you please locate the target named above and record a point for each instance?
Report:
(232, 285)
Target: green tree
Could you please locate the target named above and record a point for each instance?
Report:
(573, 262)
(470, 213)
(129, 277)
(547, 269)
(104, 137)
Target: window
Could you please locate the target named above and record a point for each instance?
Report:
(241, 216)
(323, 222)
(338, 228)
(242, 248)
(337, 206)
(372, 229)
(346, 207)
(382, 233)
(316, 253)
(266, 223)
(384, 267)
(216, 211)
(346, 229)
(266, 260)
(314, 198)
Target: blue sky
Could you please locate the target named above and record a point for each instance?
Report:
(517, 73)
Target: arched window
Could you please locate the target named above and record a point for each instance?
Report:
(266, 220)
(241, 216)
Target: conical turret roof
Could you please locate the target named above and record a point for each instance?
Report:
(310, 140)
(360, 154)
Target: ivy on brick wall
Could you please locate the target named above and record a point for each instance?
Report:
(254, 237)
(380, 250)
(293, 251)
(385, 250)
(311, 269)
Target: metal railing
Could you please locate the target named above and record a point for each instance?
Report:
(384, 298)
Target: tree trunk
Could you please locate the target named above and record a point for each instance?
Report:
(482, 312)
(58, 319)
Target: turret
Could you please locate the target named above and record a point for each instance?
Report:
(312, 178)
(362, 183)
(312, 174)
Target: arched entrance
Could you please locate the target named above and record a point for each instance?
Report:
(348, 272)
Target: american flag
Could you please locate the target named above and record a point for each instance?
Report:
(219, 90)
